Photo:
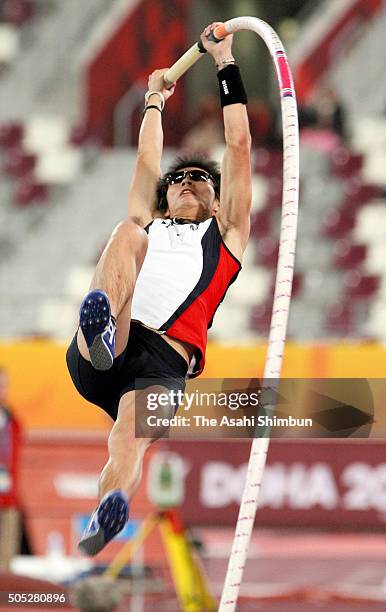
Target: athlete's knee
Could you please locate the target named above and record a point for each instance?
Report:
(142, 429)
(137, 424)
(153, 425)
(131, 233)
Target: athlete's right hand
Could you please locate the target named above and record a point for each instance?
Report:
(156, 83)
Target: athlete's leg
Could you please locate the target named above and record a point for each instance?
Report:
(121, 476)
(116, 274)
(126, 452)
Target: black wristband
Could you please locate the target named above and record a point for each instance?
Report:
(151, 106)
(231, 86)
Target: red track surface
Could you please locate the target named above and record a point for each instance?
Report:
(289, 571)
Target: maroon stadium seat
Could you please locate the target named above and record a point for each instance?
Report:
(17, 163)
(338, 222)
(348, 255)
(358, 193)
(275, 192)
(18, 12)
(29, 192)
(360, 286)
(11, 133)
(345, 164)
(261, 224)
(268, 162)
(81, 135)
(267, 251)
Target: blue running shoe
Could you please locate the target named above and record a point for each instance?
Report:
(98, 327)
(108, 519)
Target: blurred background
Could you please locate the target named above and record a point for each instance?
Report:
(72, 79)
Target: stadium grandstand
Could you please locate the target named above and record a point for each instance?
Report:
(72, 81)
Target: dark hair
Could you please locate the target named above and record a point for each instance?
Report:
(195, 161)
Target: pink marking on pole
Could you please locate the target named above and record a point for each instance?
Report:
(284, 74)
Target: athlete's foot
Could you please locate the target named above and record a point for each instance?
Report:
(98, 327)
(108, 519)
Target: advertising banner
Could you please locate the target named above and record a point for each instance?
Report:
(327, 483)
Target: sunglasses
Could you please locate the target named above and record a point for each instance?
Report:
(195, 175)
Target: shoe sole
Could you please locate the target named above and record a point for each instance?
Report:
(112, 516)
(96, 308)
(100, 355)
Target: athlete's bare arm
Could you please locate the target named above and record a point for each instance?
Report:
(142, 203)
(236, 188)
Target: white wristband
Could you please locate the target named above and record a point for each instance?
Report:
(225, 62)
(158, 93)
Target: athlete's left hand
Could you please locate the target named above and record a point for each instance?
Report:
(156, 83)
(219, 51)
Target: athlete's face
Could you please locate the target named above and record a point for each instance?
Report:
(191, 194)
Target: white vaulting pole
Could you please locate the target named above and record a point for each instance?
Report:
(283, 286)
(282, 298)
(183, 64)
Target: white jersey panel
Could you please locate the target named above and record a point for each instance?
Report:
(172, 267)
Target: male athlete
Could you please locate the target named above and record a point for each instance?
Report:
(165, 270)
